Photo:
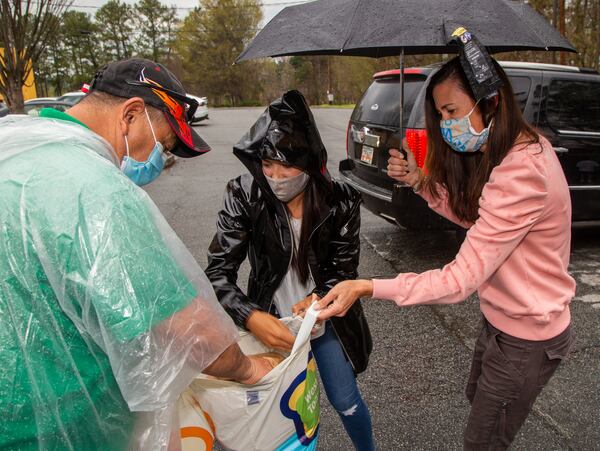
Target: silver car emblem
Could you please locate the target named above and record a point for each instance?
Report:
(374, 107)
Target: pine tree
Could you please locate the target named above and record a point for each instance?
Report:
(209, 41)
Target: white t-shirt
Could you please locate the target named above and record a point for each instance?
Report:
(291, 290)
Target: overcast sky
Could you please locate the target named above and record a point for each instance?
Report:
(270, 7)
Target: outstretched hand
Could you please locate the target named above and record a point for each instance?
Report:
(341, 297)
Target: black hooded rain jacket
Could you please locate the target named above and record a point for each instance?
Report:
(253, 223)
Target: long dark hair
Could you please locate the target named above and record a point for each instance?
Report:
(463, 175)
(314, 196)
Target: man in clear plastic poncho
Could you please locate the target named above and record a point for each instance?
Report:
(105, 317)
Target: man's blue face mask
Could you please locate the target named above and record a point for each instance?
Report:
(143, 172)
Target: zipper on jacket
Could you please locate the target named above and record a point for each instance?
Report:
(287, 218)
(318, 226)
(344, 229)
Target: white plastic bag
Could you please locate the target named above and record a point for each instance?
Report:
(281, 412)
(294, 323)
(196, 431)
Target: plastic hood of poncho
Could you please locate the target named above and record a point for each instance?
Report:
(151, 369)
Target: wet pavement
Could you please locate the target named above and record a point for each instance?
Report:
(415, 382)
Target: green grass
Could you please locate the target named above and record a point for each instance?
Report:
(348, 106)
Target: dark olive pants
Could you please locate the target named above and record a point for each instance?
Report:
(507, 375)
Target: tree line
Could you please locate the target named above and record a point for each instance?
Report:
(201, 47)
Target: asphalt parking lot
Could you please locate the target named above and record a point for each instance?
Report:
(414, 385)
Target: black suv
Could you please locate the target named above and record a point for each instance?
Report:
(562, 102)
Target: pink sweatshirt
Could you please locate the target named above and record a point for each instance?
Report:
(516, 254)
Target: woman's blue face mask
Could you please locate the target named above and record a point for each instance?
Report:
(143, 172)
(460, 135)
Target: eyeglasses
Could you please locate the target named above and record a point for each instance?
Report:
(192, 104)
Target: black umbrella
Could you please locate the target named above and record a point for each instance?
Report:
(378, 28)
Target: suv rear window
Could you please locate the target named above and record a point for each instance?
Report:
(375, 106)
(574, 105)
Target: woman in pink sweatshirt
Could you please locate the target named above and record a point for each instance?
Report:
(491, 172)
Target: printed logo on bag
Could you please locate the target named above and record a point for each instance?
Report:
(252, 397)
(193, 437)
(199, 432)
(300, 403)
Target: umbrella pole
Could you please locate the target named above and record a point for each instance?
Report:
(398, 185)
(402, 101)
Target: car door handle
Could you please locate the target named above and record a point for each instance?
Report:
(561, 150)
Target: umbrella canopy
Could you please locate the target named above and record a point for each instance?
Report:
(378, 28)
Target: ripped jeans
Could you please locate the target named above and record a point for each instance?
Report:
(341, 389)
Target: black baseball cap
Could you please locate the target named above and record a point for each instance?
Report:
(153, 82)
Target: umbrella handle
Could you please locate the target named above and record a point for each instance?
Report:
(400, 147)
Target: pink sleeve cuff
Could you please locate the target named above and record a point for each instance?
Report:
(386, 289)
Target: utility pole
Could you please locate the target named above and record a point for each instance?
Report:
(562, 29)
(555, 23)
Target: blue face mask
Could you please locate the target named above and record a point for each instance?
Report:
(460, 136)
(143, 172)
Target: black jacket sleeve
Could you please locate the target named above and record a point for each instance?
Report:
(228, 250)
(344, 248)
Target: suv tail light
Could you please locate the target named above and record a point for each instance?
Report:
(417, 141)
(347, 138)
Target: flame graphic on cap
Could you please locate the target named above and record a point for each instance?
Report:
(175, 108)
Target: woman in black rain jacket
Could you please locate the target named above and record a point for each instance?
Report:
(300, 232)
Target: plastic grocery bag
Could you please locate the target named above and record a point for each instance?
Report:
(196, 429)
(281, 412)
(294, 323)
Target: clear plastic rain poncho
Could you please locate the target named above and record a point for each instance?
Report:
(105, 317)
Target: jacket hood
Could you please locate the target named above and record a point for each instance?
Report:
(285, 132)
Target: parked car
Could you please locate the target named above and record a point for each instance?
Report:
(46, 99)
(201, 113)
(33, 107)
(562, 102)
(3, 109)
(72, 98)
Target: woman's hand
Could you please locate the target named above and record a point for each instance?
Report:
(268, 329)
(401, 169)
(300, 308)
(341, 297)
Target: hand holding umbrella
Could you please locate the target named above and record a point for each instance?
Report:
(403, 169)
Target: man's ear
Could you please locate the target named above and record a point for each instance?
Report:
(130, 111)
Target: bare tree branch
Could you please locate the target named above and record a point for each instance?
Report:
(26, 27)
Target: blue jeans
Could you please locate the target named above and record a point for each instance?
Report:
(341, 389)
